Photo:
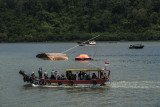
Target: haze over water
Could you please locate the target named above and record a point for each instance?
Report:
(135, 75)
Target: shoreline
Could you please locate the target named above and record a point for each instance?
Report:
(76, 41)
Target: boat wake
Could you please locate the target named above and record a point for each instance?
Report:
(64, 86)
(119, 84)
(136, 84)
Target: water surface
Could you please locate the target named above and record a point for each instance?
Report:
(134, 75)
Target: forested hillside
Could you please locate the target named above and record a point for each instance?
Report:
(68, 20)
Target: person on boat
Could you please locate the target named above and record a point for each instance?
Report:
(94, 76)
(62, 77)
(102, 75)
(52, 74)
(58, 76)
(45, 75)
(85, 76)
(67, 74)
(88, 77)
(105, 76)
(55, 74)
(73, 76)
(79, 75)
(70, 75)
(82, 75)
(40, 73)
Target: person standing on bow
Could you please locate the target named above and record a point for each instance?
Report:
(40, 73)
(45, 75)
(52, 74)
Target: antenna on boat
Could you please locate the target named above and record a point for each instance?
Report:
(78, 45)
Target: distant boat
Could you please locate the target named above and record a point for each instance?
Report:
(88, 43)
(136, 46)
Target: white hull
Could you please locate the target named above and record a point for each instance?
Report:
(81, 85)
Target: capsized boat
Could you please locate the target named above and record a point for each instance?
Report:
(52, 56)
(83, 57)
(136, 46)
(88, 43)
(74, 77)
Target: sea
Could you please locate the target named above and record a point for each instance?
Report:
(134, 79)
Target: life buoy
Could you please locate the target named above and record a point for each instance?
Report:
(94, 82)
(59, 83)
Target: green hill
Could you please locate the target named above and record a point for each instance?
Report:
(68, 20)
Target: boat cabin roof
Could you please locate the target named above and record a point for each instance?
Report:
(85, 69)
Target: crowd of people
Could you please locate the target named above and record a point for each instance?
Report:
(81, 75)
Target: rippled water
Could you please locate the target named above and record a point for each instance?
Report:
(134, 77)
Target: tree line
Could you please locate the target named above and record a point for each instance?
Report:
(71, 20)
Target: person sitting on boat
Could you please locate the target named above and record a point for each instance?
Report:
(58, 76)
(82, 75)
(94, 76)
(88, 77)
(40, 73)
(85, 76)
(67, 73)
(102, 75)
(77, 77)
(105, 76)
(52, 74)
(45, 75)
(70, 75)
(73, 76)
(62, 77)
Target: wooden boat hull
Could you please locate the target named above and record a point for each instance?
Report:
(53, 82)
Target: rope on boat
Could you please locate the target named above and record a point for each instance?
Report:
(81, 48)
(93, 65)
(78, 45)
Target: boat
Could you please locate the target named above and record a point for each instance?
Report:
(52, 56)
(136, 46)
(88, 43)
(83, 57)
(74, 77)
